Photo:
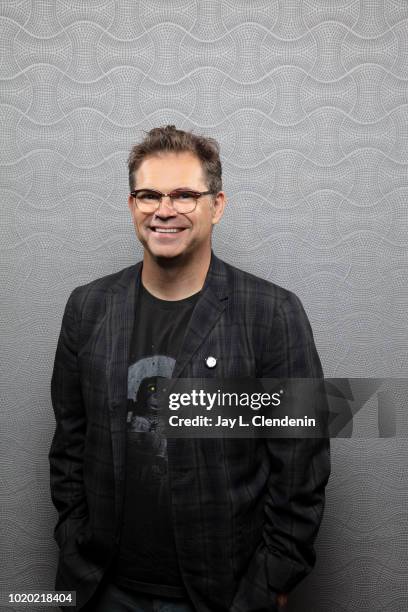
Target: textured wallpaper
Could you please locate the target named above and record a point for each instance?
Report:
(309, 101)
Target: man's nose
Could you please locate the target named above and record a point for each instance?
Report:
(166, 208)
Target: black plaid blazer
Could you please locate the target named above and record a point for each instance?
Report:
(246, 512)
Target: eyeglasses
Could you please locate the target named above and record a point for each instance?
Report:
(183, 200)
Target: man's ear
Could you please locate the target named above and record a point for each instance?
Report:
(218, 206)
(131, 203)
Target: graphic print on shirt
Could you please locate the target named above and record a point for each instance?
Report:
(145, 427)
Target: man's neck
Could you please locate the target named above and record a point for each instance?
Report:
(176, 279)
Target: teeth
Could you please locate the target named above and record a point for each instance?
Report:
(166, 231)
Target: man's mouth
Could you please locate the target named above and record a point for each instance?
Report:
(167, 230)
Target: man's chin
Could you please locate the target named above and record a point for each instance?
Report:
(169, 257)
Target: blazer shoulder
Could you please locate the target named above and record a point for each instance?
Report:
(262, 303)
(91, 296)
(256, 286)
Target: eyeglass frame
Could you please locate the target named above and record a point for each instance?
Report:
(196, 196)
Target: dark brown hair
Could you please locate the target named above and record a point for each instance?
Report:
(169, 139)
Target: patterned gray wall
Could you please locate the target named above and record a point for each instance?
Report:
(309, 100)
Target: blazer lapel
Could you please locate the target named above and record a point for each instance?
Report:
(121, 315)
(208, 310)
(205, 315)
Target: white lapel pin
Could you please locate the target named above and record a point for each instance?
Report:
(211, 362)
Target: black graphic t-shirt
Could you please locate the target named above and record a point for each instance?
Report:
(147, 559)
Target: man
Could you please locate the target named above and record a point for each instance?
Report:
(147, 523)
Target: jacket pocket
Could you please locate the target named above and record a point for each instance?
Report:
(69, 529)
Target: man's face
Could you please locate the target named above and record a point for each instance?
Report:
(167, 172)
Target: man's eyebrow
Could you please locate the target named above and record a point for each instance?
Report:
(185, 188)
(149, 189)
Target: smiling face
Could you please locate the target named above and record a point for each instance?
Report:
(166, 233)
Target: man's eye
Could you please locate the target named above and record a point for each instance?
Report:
(146, 195)
(184, 195)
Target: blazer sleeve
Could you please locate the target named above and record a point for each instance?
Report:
(299, 468)
(67, 447)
